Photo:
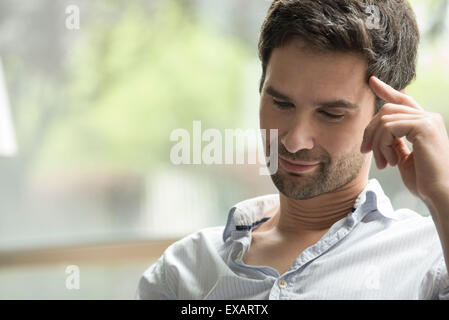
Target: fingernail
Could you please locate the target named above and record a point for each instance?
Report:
(378, 80)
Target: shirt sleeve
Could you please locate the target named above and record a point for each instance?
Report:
(442, 281)
(153, 284)
(435, 285)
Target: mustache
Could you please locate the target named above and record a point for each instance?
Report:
(303, 155)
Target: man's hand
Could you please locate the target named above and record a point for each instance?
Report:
(425, 170)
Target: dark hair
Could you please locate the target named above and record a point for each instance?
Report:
(389, 44)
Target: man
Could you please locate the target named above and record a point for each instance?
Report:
(330, 233)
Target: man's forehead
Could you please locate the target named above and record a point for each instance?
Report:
(317, 75)
(298, 51)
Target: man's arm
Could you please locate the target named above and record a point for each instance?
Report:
(153, 284)
(425, 170)
(438, 205)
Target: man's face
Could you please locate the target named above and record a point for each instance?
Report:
(321, 104)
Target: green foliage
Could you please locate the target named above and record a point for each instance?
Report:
(430, 87)
(137, 78)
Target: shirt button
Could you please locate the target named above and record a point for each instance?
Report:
(282, 284)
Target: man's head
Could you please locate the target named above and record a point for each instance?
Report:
(317, 57)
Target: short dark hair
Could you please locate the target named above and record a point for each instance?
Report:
(390, 47)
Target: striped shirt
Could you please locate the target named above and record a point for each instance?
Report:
(373, 253)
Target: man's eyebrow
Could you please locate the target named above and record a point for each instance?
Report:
(277, 94)
(340, 103)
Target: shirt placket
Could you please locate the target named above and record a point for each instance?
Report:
(286, 284)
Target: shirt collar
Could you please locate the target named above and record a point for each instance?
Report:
(373, 198)
(247, 214)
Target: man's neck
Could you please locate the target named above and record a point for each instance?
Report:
(318, 214)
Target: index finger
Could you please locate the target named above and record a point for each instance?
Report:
(389, 94)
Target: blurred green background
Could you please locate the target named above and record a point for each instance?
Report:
(93, 109)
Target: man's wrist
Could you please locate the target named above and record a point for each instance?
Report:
(437, 196)
(437, 201)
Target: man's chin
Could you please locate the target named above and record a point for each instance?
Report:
(298, 186)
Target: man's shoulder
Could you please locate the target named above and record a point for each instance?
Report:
(204, 240)
(410, 225)
(204, 234)
(408, 219)
(407, 215)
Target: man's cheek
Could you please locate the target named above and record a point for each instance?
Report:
(268, 120)
(333, 142)
(339, 145)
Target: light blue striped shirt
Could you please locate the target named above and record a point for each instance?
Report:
(373, 253)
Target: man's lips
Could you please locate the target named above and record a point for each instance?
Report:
(297, 166)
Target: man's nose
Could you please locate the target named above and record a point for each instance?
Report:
(299, 135)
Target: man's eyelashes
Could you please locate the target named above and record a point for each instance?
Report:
(331, 115)
(283, 105)
(288, 105)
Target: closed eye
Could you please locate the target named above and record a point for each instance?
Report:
(287, 105)
(331, 115)
(282, 105)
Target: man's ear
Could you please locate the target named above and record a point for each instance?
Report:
(403, 91)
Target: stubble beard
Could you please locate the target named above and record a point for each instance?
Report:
(330, 175)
